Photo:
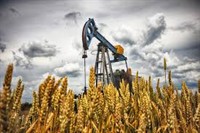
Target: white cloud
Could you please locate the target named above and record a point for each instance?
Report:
(22, 61)
(69, 69)
(156, 25)
(149, 52)
(188, 67)
(45, 75)
(124, 35)
(172, 59)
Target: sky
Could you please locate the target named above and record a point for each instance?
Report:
(44, 37)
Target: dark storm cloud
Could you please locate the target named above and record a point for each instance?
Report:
(36, 49)
(155, 28)
(22, 61)
(124, 40)
(193, 45)
(190, 70)
(13, 10)
(185, 26)
(137, 54)
(188, 26)
(3, 2)
(191, 50)
(2, 46)
(157, 72)
(72, 16)
(74, 73)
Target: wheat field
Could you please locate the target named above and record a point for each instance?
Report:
(54, 109)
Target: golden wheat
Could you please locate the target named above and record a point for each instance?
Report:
(102, 108)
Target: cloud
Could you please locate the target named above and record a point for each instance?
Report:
(124, 35)
(69, 69)
(2, 46)
(21, 61)
(72, 16)
(146, 49)
(155, 27)
(37, 49)
(182, 68)
(187, 26)
(187, 37)
(149, 52)
(13, 10)
(187, 74)
(191, 53)
(189, 66)
(136, 53)
(77, 44)
(178, 75)
(101, 27)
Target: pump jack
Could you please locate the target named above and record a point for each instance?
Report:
(103, 63)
